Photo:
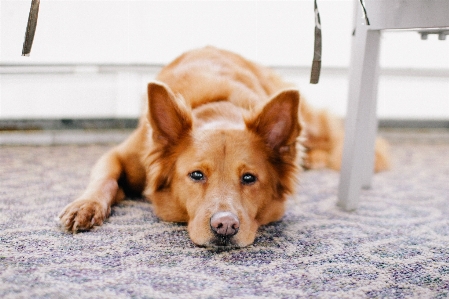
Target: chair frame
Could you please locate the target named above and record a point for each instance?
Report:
(361, 120)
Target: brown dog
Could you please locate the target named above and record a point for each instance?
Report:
(217, 148)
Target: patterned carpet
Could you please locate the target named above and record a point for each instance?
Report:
(396, 245)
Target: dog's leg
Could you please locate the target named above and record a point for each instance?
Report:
(94, 205)
(324, 142)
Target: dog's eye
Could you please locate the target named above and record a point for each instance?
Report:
(197, 175)
(248, 179)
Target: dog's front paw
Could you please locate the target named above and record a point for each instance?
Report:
(382, 155)
(83, 214)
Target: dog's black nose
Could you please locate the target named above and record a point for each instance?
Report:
(224, 224)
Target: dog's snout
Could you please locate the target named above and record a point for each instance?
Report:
(224, 224)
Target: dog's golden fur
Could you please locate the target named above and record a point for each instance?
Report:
(220, 137)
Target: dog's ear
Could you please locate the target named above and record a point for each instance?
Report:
(169, 117)
(278, 122)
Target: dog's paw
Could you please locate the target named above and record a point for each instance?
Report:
(83, 214)
(382, 155)
(316, 159)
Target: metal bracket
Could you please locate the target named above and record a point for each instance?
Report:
(365, 15)
(31, 28)
(441, 33)
(316, 64)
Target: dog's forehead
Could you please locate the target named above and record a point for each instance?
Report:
(218, 125)
(226, 144)
(222, 137)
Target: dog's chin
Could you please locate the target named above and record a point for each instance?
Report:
(217, 243)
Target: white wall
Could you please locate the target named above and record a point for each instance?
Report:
(277, 33)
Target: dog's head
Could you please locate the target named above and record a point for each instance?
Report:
(223, 173)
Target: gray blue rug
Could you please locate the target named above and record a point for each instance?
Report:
(396, 245)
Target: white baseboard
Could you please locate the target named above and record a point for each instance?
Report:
(118, 91)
